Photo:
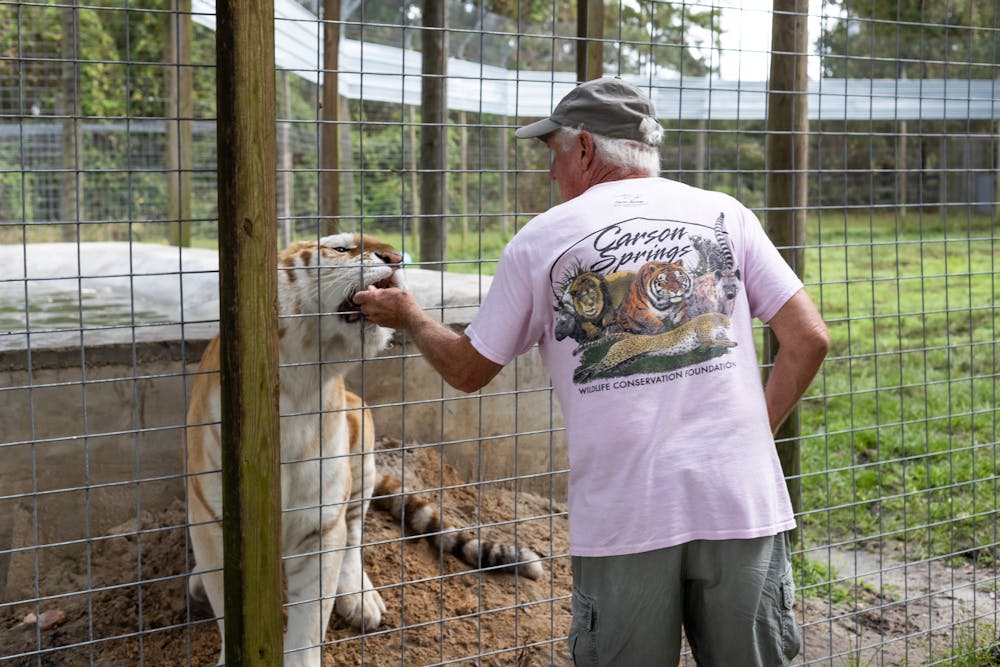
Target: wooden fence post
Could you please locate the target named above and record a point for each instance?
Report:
(330, 115)
(787, 156)
(589, 39)
(179, 114)
(434, 135)
(247, 189)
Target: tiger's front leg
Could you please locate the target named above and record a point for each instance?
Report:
(314, 533)
(358, 602)
(204, 518)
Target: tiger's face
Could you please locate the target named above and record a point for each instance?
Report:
(665, 283)
(321, 278)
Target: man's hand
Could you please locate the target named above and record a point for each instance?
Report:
(389, 307)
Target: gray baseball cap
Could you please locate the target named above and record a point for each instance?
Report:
(608, 106)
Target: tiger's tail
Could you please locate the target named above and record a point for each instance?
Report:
(419, 517)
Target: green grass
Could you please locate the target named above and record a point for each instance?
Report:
(816, 580)
(974, 646)
(901, 425)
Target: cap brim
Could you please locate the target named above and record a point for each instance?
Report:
(538, 129)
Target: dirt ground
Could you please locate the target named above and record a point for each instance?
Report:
(439, 611)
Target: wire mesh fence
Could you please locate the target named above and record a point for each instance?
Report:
(109, 298)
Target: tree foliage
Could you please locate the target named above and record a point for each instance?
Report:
(917, 40)
(541, 35)
(661, 36)
(891, 162)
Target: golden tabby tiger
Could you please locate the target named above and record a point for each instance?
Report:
(328, 474)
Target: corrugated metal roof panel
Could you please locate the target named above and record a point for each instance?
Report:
(385, 73)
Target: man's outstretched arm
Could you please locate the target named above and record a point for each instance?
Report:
(451, 354)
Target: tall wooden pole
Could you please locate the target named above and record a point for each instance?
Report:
(505, 219)
(901, 158)
(463, 172)
(590, 35)
(68, 107)
(700, 153)
(287, 179)
(787, 158)
(179, 115)
(996, 172)
(330, 116)
(414, 181)
(247, 188)
(345, 178)
(434, 134)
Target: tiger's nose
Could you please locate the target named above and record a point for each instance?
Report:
(389, 256)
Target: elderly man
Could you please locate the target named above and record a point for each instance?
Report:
(640, 294)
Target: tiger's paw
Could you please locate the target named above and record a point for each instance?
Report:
(362, 610)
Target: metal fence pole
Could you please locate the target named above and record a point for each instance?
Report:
(248, 325)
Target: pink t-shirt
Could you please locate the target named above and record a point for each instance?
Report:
(640, 295)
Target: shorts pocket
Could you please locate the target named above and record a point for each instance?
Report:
(791, 640)
(583, 630)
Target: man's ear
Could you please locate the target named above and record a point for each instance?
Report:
(586, 147)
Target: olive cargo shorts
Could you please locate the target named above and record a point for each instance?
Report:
(734, 598)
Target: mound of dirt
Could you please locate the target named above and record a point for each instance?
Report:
(127, 600)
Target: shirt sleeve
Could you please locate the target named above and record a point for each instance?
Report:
(506, 324)
(768, 279)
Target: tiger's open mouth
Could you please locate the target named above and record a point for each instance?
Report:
(350, 311)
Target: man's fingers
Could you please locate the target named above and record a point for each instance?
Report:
(364, 295)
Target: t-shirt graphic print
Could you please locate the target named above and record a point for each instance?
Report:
(645, 295)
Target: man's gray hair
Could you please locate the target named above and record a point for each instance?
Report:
(632, 156)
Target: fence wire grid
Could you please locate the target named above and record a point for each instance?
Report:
(109, 296)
